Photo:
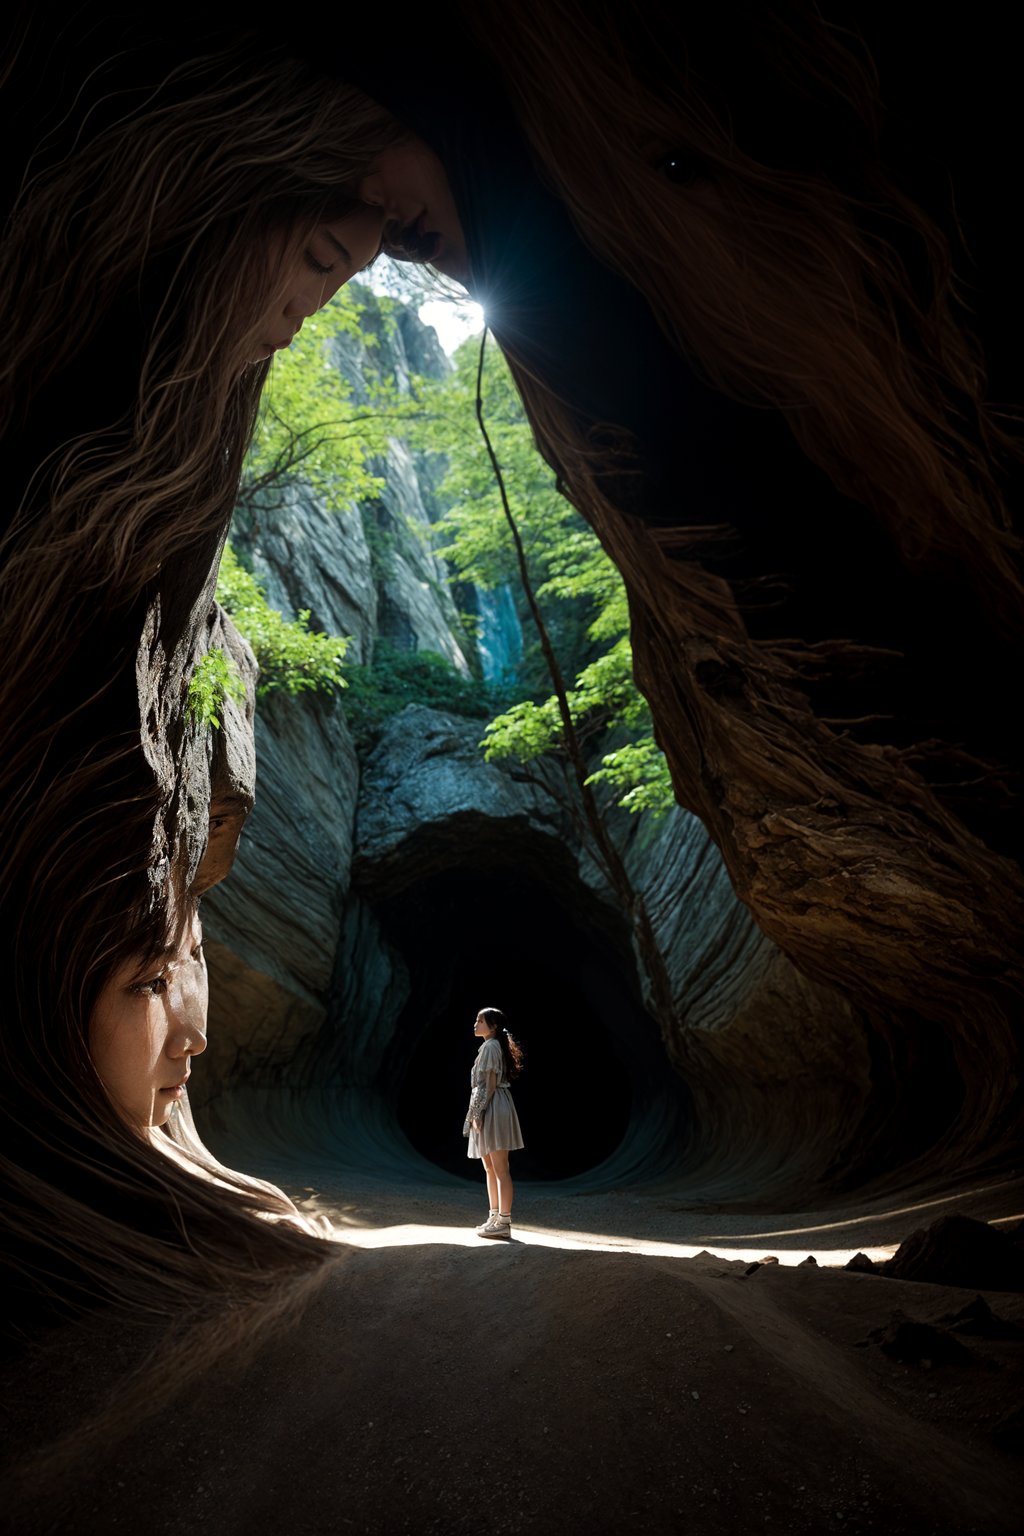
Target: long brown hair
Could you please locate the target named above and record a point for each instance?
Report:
(787, 286)
(790, 286)
(153, 206)
(511, 1050)
(172, 205)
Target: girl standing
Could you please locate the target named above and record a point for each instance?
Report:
(492, 1124)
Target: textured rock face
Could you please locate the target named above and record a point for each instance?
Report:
(361, 891)
(273, 931)
(205, 778)
(427, 770)
(774, 1059)
(308, 557)
(232, 754)
(844, 854)
(416, 607)
(289, 947)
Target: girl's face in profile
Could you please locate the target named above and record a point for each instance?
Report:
(421, 223)
(312, 276)
(482, 1028)
(149, 1020)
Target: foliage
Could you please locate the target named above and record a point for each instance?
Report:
(310, 426)
(326, 436)
(291, 656)
(473, 534)
(639, 775)
(580, 591)
(397, 678)
(214, 678)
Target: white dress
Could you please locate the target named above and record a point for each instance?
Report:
(499, 1130)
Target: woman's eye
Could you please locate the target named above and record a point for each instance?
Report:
(156, 986)
(318, 266)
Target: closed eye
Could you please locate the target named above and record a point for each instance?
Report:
(318, 266)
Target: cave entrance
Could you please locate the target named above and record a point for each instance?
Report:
(560, 966)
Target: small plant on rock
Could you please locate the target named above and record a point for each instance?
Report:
(214, 679)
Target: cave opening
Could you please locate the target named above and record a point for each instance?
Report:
(558, 963)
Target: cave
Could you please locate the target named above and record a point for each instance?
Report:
(702, 1316)
(563, 974)
(488, 913)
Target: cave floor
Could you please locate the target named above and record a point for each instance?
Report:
(594, 1375)
(384, 1194)
(672, 1221)
(591, 1376)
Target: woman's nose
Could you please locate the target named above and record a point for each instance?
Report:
(188, 1039)
(305, 301)
(187, 1035)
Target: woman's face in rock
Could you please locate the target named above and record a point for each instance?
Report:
(149, 1020)
(421, 223)
(307, 279)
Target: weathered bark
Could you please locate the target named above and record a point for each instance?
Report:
(604, 848)
(850, 860)
(205, 778)
(844, 855)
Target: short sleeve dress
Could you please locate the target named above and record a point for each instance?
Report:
(499, 1131)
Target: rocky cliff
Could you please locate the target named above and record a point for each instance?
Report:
(379, 898)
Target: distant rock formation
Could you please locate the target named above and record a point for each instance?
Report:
(790, 1081)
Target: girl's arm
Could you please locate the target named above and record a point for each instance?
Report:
(483, 1093)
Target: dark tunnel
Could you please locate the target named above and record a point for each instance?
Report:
(596, 1085)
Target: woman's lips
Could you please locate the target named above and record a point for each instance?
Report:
(267, 348)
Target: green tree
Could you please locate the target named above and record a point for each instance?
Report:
(291, 656)
(214, 679)
(591, 821)
(310, 427)
(580, 592)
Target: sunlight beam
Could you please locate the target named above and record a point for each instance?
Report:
(412, 1235)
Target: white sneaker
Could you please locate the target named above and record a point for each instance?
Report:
(500, 1227)
(492, 1217)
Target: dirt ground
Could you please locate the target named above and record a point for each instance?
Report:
(599, 1373)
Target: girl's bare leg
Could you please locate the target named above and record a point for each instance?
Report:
(503, 1179)
(492, 1178)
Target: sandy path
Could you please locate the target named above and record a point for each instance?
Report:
(587, 1377)
(419, 1205)
(523, 1389)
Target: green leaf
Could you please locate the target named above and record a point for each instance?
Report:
(214, 678)
(291, 656)
(396, 678)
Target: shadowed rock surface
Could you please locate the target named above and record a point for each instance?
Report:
(841, 942)
(958, 1251)
(382, 894)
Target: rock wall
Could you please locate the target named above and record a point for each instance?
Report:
(323, 946)
(289, 946)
